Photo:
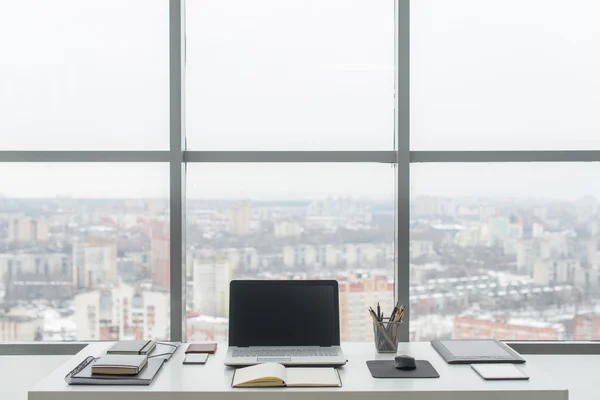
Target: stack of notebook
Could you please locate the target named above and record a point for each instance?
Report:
(125, 363)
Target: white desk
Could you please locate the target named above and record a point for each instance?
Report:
(213, 381)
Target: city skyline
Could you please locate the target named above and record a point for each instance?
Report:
(518, 270)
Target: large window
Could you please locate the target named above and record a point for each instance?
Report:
(440, 153)
(84, 246)
(289, 76)
(505, 245)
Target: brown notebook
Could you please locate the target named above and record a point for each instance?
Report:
(209, 348)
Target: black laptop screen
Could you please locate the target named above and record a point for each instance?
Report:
(284, 313)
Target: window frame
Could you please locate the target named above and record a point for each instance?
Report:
(178, 157)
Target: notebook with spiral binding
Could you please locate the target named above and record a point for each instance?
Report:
(82, 374)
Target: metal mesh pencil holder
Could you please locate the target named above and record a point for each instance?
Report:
(386, 335)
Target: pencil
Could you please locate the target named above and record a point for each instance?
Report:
(401, 313)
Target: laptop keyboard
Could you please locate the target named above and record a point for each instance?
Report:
(291, 352)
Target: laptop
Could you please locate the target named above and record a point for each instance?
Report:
(288, 322)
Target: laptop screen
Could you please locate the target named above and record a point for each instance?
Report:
(284, 313)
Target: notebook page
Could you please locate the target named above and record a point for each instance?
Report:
(259, 372)
(312, 377)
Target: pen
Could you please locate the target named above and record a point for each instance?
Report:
(373, 314)
(394, 311)
(379, 312)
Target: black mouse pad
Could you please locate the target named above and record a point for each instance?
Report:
(386, 369)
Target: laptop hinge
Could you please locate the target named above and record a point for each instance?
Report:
(325, 346)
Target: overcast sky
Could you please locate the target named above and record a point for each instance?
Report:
(300, 75)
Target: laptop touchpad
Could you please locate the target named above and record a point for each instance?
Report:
(273, 359)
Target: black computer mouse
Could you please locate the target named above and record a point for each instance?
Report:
(405, 362)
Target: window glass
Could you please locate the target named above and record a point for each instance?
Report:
(84, 75)
(505, 250)
(290, 75)
(289, 221)
(84, 251)
(510, 75)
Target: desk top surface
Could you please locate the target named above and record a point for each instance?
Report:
(215, 378)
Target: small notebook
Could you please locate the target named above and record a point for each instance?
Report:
(499, 372)
(276, 375)
(132, 347)
(119, 364)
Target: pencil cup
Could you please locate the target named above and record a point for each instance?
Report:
(386, 336)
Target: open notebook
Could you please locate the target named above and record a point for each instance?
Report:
(276, 375)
